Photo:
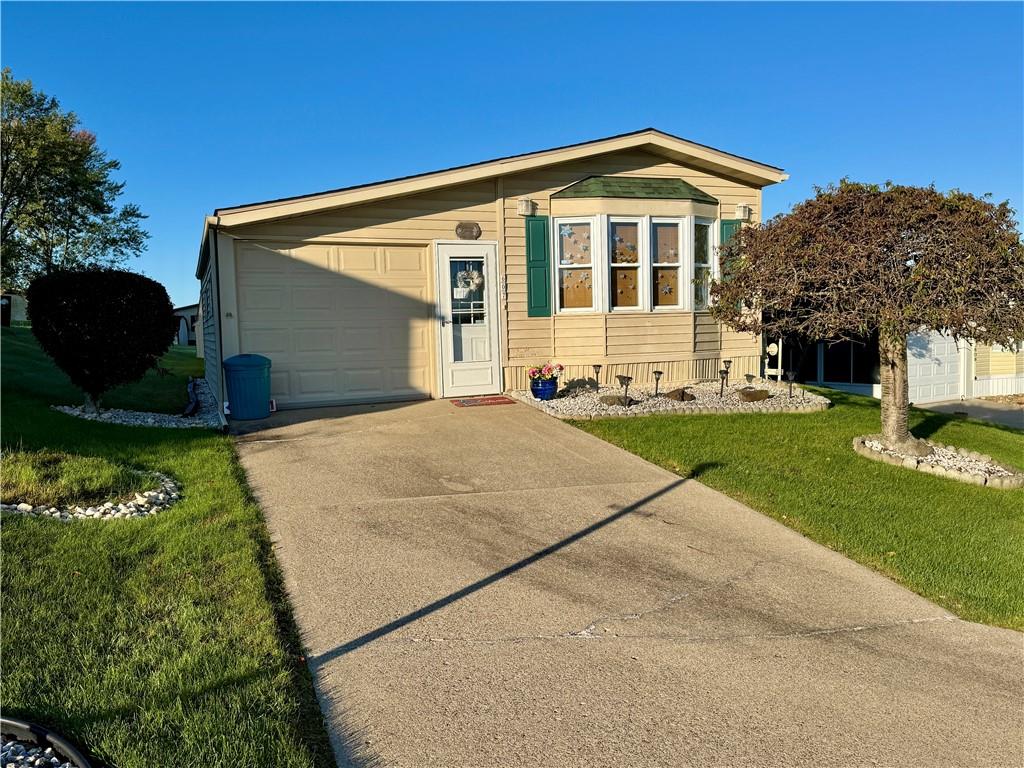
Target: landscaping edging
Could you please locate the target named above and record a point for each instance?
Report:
(17, 749)
(1005, 477)
(568, 407)
(144, 504)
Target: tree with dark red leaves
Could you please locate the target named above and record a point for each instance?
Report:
(859, 258)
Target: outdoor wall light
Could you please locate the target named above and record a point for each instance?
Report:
(723, 375)
(525, 206)
(657, 380)
(743, 211)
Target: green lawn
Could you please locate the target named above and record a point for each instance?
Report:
(957, 544)
(157, 642)
(26, 369)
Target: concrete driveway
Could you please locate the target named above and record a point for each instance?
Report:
(994, 411)
(491, 587)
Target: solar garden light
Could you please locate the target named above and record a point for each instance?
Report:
(597, 376)
(790, 375)
(624, 381)
(727, 364)
(723, 375)
(657, 380)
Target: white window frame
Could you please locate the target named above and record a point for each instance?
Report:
(601, 263)
(642, 260)
(596, 270)
(712, 262)
(683, 226)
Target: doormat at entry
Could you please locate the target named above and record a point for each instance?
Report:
(494, 400)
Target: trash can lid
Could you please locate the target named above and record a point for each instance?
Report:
(247, 361)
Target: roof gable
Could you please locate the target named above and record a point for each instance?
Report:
(695, 155)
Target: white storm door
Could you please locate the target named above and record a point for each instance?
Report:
(467, 282)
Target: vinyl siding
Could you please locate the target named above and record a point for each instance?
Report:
(989, 361)
(687, 346)
(208, 318)
(418, 219)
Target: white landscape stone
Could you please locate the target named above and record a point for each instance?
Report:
(585, 403)
(945, 461)
(158, 500)
(206, 418)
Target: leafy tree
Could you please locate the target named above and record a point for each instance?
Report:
(859, 258)
(57, 198)
(102, 327)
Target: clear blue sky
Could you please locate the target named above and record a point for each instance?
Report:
(210, 105)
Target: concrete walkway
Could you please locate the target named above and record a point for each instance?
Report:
(491, 587)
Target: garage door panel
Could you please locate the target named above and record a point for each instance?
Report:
(257, 298)
(315, 382)
(356, 260)
(269, 340)
(315, 341)
(280, 384)
(933, 368)
(399, 260)
(340, 323)
(312, 299)
(408, 380)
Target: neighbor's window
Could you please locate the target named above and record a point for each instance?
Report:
(575, 265)
(624, 262)
(667, 259)
(701, 264)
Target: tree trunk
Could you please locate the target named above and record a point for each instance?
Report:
(892, 356)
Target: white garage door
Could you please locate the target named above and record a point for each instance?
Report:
(341, 324)
(934, 368)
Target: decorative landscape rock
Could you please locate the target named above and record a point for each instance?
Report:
(699, 399)
(142, 505)
(679, 394)
(19, 754)
(961, 464)
(619, 400)
(751, 395)
(206, 418)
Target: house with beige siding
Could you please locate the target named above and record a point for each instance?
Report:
(454, 283)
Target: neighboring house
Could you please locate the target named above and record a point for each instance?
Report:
(187, 316)
(455, 282)
(13, 309)
(938, 367)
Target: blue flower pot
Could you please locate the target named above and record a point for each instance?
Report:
(544, 389)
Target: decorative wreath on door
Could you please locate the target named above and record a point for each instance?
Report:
(467, 281)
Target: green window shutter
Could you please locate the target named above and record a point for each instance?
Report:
(729, 227)
(538, 267)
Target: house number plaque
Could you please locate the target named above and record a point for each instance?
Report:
(467, 230)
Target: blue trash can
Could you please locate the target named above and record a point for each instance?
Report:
(248, 382)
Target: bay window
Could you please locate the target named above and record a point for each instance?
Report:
(575, 265)
(666, 263)
(609, 263)
(702, 269)
(624, 263)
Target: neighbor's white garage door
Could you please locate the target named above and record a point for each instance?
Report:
(340, 323)
(934, 368)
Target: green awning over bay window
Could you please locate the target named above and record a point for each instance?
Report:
(635, 188)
